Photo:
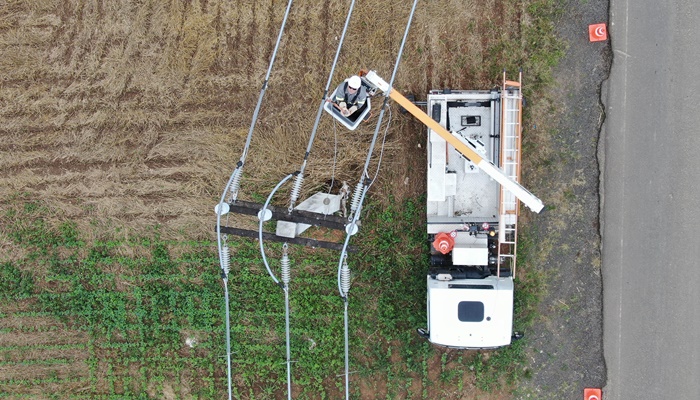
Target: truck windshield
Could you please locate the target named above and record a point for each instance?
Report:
(470, 311)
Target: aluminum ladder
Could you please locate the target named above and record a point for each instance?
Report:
(511, 130)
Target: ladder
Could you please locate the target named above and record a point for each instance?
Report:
(511, 129)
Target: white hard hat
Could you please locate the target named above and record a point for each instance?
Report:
(354, 82)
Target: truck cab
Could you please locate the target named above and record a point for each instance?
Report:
(470, 313)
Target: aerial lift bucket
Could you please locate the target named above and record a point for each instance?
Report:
(364, 113)
(354, 120)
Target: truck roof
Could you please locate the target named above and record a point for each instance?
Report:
(471, 313)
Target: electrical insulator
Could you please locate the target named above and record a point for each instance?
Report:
(295, 191)
(355, 204)
(345, 278)
(225, 259)
(285, 266)
(235, 183)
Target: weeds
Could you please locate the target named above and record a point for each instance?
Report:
(15, 284)
(138, 311)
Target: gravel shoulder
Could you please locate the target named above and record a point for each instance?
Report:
(566, 339)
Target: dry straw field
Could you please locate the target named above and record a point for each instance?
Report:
(120, 115)
(136, 111)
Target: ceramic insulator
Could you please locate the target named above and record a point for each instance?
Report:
(225, 259)
(296, 189)
(355, 204)
(285, 269)
(345, 279)
(236, 183)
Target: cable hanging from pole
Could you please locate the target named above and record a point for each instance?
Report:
(296, 189)
(300, 178)
(358, 199)
(364, 180)
(232, 187)
(263, 216)
(286, 276)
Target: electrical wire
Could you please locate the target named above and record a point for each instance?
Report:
(365, 187)
(234, 180)
(297, 186)
(335, 154)
(228, 337)
(344, 290)
(264, 86)
(293, 199)
(352, 226)
(381, 149)
(260, 228)
(285, 280)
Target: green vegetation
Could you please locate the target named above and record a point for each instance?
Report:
(137, 311)
(154, 322)
(15, 284)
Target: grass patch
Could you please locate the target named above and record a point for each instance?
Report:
(14, 283)
(138, 312)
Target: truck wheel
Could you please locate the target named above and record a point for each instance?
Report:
(423, 333)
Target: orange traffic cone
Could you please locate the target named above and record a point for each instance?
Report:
(592, 394)
(597, 33)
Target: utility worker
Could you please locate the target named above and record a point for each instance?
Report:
(350, 95)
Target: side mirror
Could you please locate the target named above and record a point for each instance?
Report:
(423, 333)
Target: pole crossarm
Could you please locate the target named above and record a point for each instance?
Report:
(308, 242)
(281, 214)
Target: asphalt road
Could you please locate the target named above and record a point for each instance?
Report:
(651, 201)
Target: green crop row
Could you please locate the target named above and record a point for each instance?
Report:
(150, 322)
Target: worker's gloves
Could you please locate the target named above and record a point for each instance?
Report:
(344, 109)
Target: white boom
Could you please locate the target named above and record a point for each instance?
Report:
(529, 199)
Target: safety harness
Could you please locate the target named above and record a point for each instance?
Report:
(345, 92)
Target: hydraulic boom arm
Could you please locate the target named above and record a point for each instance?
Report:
(529, 199)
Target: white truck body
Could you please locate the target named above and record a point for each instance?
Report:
(473, 194)
(470, 287)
